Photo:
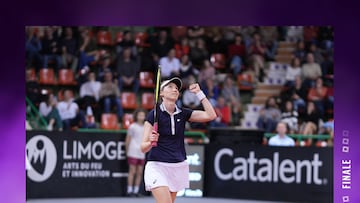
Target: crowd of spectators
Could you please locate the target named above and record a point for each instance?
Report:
(306, 101)
(103, 72)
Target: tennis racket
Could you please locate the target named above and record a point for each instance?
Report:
(157, 94)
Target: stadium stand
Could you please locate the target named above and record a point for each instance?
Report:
(254, 91)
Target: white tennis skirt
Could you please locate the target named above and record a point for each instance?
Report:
(173, 175)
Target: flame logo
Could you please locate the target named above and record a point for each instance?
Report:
(40, 158)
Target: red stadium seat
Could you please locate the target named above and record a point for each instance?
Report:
(140, 39)
(104, 38)
(47, 76)
(31, 74)
(127, 120)
(66, 77)
(245, 82)
(147, 79)
(109, 121)
(119, 37)
(128, 100)
(147, 100)
(218, 60)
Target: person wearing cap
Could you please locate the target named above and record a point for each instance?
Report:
(166, 170)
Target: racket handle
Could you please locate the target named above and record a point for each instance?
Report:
(154, 143)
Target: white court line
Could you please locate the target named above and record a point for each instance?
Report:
(119, 175)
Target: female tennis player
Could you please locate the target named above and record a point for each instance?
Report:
(166, 170)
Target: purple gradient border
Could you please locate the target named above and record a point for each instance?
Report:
(17, 15)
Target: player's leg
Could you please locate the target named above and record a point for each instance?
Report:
(173, 196)
(162, 194)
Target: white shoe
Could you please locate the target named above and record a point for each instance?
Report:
(49, 128)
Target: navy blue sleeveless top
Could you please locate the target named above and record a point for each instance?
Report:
(170, 148)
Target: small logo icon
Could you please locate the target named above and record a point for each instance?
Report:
(178, 120)
(40, 158)
(154, 181)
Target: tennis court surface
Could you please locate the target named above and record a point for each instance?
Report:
(143, 200)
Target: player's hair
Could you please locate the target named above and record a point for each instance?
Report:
(137, 111)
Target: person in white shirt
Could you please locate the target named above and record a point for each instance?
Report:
(90, 88)
(281, 139)
(49, 111)
(292, 72)
(89, 94)
(310, 71)
(70, 113)
(170, 65)
(136, 158)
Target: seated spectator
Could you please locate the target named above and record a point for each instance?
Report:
(230, 33)
(247, 33)
(211, 90)
(182, 48)
(48, 110)
(194, 33)
(281, 139)
(326, 37)
(327, 128)
(290, 117)
(311, 34)
(223, 113)
(327, 69)
(237, 54)
(110, 95)
(215, 42)
(199, 53)
(270, 37)
(232, 97)
(33, 48)
(300, 51)
(103, 67)
(318, 95)
(51, 49)
(298, 94)
(70, 113)
(310, 71)
(292, 71)
(127, 42)
(161, 45)
(236, 114)
(189, 99)
(33, 90)
(88, 52)
(89, 94)
(170, 65)
(310, 120)
(69, 49)
(230, 91)
(207, 72)
(186, 69)
(128, 71)
(269, 116)
(318, 54)
(257, 53)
